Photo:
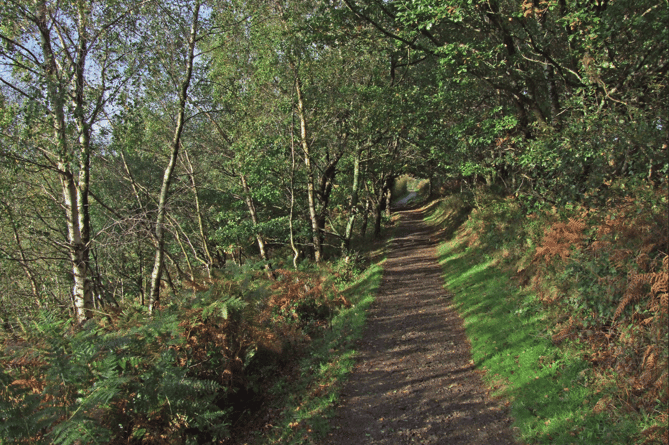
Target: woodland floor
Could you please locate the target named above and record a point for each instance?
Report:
(414, 382)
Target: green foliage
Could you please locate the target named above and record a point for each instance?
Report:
(306, 402)
(562, 105)
(551, 400)
(182, 374)
(124, 380)
(589, 301)
(105, 383)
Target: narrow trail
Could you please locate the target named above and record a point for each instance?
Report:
(414, 382)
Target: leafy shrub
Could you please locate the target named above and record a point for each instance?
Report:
(108, 383)
(302, 299)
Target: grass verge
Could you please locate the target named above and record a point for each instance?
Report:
(551, 388)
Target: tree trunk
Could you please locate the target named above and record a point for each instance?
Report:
(154, 296)
(548, 73)
(324, 193)
(254, 219)
(254, 216)
(22, 260)
(296, 253)
(209, 259)
(365, 219)
(381, 199)
(78, 251)
(353, 203)
(389, 197)
(75, 199)
(378, 213)
(311, 198)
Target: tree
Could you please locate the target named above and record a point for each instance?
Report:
(69, 62)
(536, 76)
(184, 80)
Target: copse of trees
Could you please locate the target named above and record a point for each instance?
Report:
(246, 111)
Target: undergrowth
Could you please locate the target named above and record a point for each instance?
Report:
(305, 400)
(578, 342)
(194, 371)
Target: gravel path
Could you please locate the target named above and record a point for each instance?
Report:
(414, 382)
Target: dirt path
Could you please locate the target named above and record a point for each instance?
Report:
(407, 199)
(414, 382)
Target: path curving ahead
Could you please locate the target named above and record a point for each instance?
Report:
(414, 382)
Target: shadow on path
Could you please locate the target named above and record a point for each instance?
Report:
(414, 382)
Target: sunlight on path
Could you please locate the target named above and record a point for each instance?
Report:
(414, 381)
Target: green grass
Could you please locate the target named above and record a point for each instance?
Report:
(307, 402)
(549, 388)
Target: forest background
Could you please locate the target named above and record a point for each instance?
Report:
(149, 150)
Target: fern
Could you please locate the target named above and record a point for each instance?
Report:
(223, 307)
(21, 413)
(651, 285)
(133, 378)
(560, 239)
(86, 431)
(84, 384)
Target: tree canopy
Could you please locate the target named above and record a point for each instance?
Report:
(275, 123)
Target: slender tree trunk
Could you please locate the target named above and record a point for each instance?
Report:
(75, 199)
(381, 199)
(548, 73)
(365, 218)
(353, 203)
(200, 220)
(324, 192)
(311, 193)
(254, 219)
(388, 197)
(79, 254)
(23, 260)
(177, 236)
(296, 253)
(154, 296)
(378, 213)
(140, 278)
(84, 220)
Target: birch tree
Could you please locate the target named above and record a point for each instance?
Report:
(181, 77)
(65, 63)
